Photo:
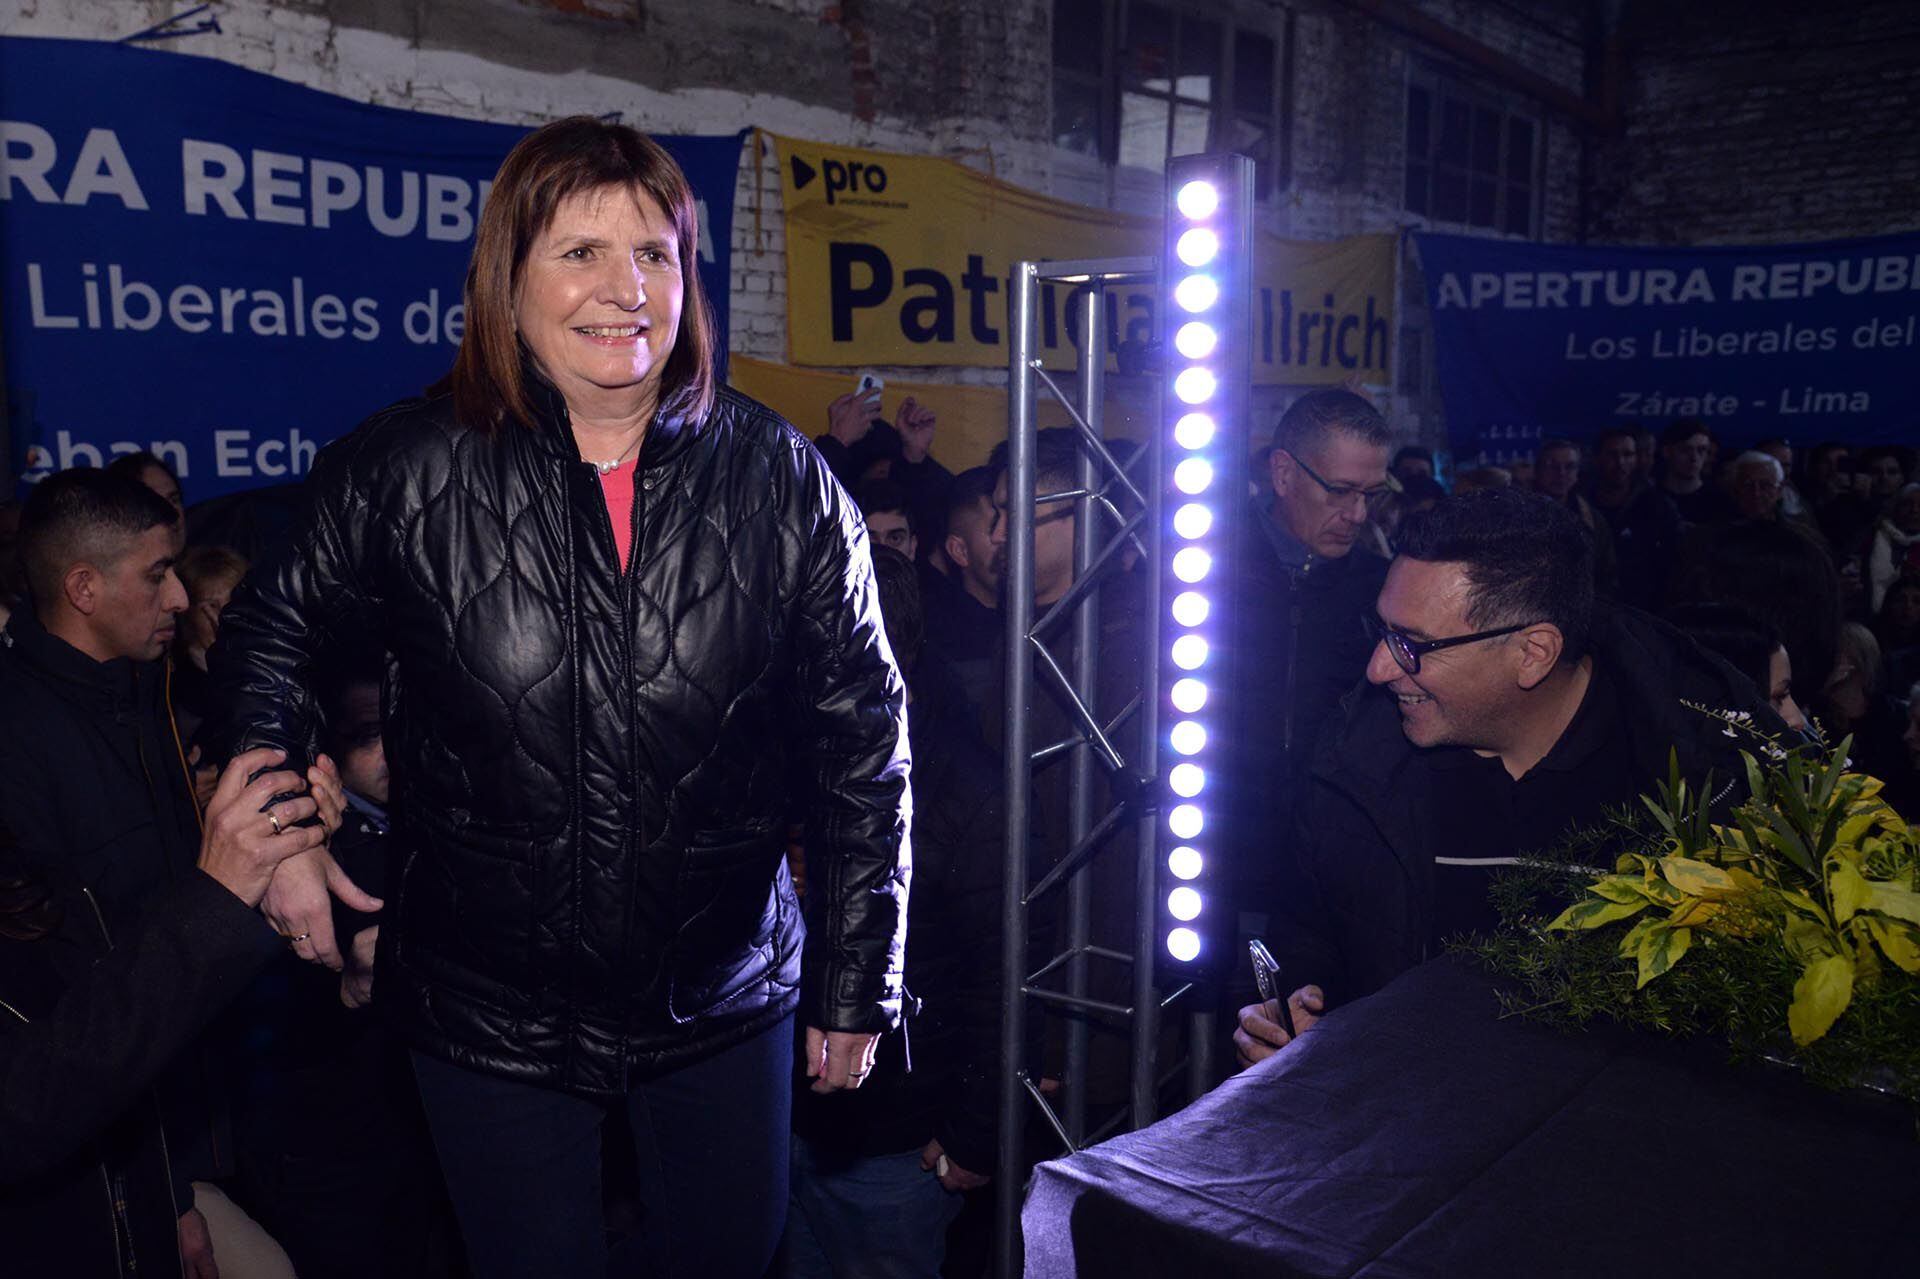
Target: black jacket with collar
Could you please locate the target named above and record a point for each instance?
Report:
(1301, 629)
(86, 1026)
(1357, 895)
(92, 778)
(592, 767)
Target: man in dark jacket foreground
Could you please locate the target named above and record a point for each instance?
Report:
(90, 1014)
(1503, 709)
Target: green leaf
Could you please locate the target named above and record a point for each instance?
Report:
(1806, 906)
(1619, 888)
(1823, 992)
(1594, 912)
(1898, 941)
(1847, 889)
(1661, 947)
(1787, 839)
(1756, 780)
(1630, 944)
(1860, 821)
(1892, 899)
(1697, 877)
(1807, 941)
(1660, 813)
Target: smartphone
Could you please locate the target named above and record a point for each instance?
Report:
(1266, 976)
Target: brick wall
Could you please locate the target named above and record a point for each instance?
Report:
(1764, 120)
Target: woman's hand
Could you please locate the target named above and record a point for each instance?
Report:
(245, 840)
(839, 1060)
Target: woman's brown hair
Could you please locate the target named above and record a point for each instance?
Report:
(547, 167)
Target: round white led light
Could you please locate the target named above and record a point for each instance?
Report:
(1196, 293)
(1184, 945)
(1185, 821)
(1188, 737)
(1186, 780)
(1192, 521)
(1195, 340)
(1193, 475)
(1194, 431)
(1189, 695)
(1192, 564)
(1183, 903)
(1189, 652)
(1197, 247)
(1195, 385)
(1189, 608)
(1197, 199)
(1184, 862)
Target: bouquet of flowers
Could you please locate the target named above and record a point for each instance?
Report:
(1797, 911)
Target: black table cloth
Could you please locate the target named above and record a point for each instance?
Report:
(1417, 1133)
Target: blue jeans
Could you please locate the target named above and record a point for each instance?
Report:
(523, 1167)
(879, 1217)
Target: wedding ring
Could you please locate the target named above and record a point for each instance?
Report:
(295, 941)
(275, 819)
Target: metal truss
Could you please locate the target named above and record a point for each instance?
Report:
(1103, 494)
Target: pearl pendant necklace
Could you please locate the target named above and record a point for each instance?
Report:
(607, 468)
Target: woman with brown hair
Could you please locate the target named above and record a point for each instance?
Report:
(632, 627)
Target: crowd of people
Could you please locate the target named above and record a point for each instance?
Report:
(420, 892)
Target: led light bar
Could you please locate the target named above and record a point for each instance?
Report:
(1206, 270)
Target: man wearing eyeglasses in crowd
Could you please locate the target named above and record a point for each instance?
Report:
(1307, 581)
(1504, 707)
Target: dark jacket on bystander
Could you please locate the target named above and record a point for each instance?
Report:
(86, 1026)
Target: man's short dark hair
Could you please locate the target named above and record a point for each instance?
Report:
(134, 466)
(900, 607)
(970, 488)
(877, 497)
(1056, 459)
(1682, 430)
(1313, 419)
(1606, 433)
(1415, 452)
(1527, 558)
(83, 514)
(1557, 442)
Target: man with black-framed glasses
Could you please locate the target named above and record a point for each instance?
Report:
(1504, 707)
(1308, 582)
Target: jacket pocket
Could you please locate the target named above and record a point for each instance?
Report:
(725, 956)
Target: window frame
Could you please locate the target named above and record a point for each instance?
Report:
(1116, 81)
(1443, 82)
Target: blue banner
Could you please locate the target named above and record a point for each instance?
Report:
(230, 270)
(1807, 341)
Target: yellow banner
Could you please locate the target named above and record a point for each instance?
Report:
(903, 259)
(971, 419)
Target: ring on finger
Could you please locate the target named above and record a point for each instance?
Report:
(275, 819)
(297, 938)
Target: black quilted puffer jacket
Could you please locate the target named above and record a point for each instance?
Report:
(592, 769)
